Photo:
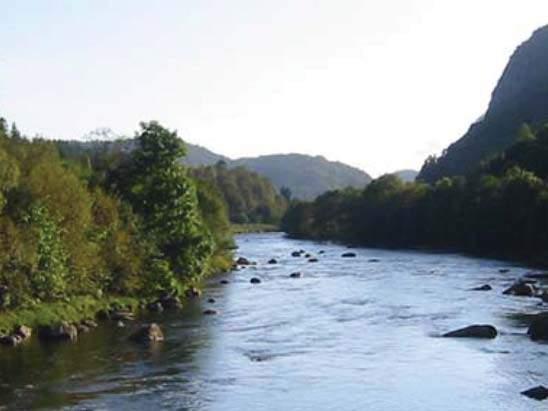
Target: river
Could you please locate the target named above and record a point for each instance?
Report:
(351, 334)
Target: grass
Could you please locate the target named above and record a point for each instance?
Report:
(75, 310)
(254, 228)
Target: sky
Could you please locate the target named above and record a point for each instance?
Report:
(379, 85)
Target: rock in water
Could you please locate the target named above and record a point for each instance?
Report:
(538, 330)
(520, 289)
(255, 280)
(538, 393)
(62, 331)
(348, 255)
(296, 254)
(296, 275)
(193, 292)
(474, 331)
(485, 287)
(313, 260)
(273, 261)
(148, 333)
(23, 331)
(243, 261)
(211, 312)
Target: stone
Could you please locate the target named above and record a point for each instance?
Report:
(243, 261)
(23, 331)
(349, 255)
(210, 312)
(61, 331)
(295, 275)
(474, 331)
(296, 254)
(193, 292)
(520, 289)
(255, 280)
(148, 333)
(485, 287)
(313, 260)
(273, 261)
(211, 300)
(538, 330)
(539, 393)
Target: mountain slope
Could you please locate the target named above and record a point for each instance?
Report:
(521, 96)
(406, 175)
(306, 176)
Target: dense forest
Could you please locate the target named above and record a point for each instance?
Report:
(118, 223)
(250, 197)
(500, 209)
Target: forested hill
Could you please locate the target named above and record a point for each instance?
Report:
(521, 96)
(305, 176)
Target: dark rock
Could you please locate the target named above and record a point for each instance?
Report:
(243, 261)
(255, 280)
(82, 328)
(224, 282)
(211, 300)
(148, 333)
(348, 255)
(307, 255)
(537, 276)
(155, 307)
(296, 254)
(312, 260)
(171, 303)
(62, 331)
(193, 292)
(520, 289)
(485, 287)
(210, 312)
(504, 270)
(539, 393)
(90, 323)
(296, 275)
(544, 296)
(474, 331)
(23, 331)
(273, 261)
(538, 330)
(374, 260)
(10, 340)
(321, 252)
(122, 315)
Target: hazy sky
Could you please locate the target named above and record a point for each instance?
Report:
(377, 84)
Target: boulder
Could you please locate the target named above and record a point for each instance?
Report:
(373, 260)
(121, 315)
(255, 280)
(485, 287)
(82, 329)
(148, 333)
(474, 331)
(307, 255)
(243, 261)
(193, 292)
(273, 261)
(224, 282)
(210, 312)
(349, 255)
(295, 275)
(211, 300)
(520, 289)
(90, 323)
(296, 254)
(171, 302)
(539, 393)
(538, 330)
(313, 260)
(62, 331)
(504, 270)
(10, 340)
(23, 331)
(321, 252)
(155, 307)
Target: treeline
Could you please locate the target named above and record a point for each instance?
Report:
(250, 197)
(501, 209)
(127, 223)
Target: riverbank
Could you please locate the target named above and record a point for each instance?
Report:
(254, 228)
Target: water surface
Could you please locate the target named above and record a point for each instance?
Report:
(349, 335)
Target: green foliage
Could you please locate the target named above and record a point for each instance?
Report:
(250, 198)
(501, 209)
(104, 222)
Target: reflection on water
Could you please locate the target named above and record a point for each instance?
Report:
(349, 334)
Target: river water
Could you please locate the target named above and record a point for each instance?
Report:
(351, 334)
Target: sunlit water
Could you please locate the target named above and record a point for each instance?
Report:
(349, 335)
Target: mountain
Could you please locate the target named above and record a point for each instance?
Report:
(306, 176)
(406, 175)
(521, 96)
